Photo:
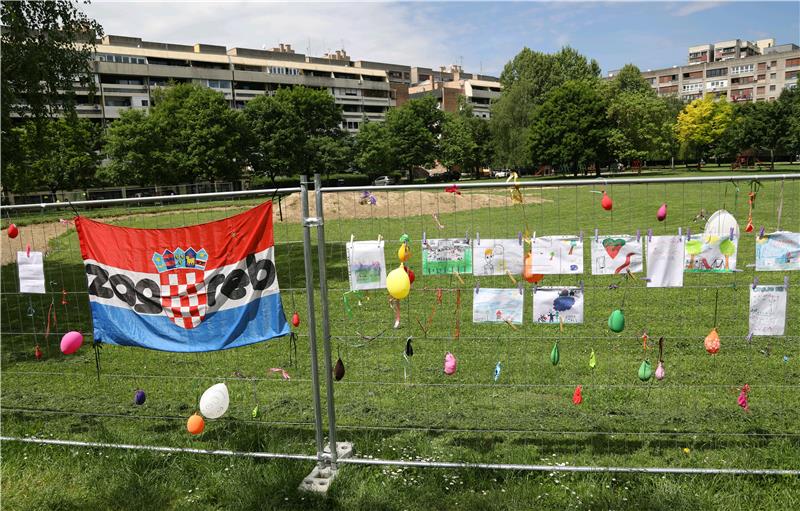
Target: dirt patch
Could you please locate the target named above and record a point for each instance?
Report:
(338, 206)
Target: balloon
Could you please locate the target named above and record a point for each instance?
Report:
(403, 253)
(661, 215)
(71, 342)
(592, 360)
(743, 398)
(410, 272)
(660, 371)
(139, 397)
(616, 321)
(645, 371)
(528, 271)
(295, 319)
(37, 353)
(554, 358)
(398, 283)
(606, 202)
(195, 425)
(338, 370)
(577, 397)
(13, 232)
(497, 372)
(749, 227)
(409, 347)
(450, 363)
(214, 401)
(712, 342)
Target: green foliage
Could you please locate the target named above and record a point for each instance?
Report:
(761, 126)
(526, 80)
(58, 154)
(375, 153)
(791, 99)
(458, 145)
(642, 125)
(570, 127)
(414, 129)
(702, 123)
(190, 134)
(629, 80)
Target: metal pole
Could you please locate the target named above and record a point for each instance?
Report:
(326, 330)
(312, 325)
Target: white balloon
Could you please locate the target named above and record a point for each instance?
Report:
(214, 401)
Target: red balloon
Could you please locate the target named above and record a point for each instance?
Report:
(13, 232)
(37, 353)
(410, 272)
(606, 202)
(295, 319)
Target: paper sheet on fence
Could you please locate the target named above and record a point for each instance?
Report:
(665, 261)
(768, 310)
(447, 255)
(711, 254)
(557, 254)
(616, 254)
(497, 305)
(366, 265)
(496, 256)
(778, 251)
(31, 272)
(552, 304)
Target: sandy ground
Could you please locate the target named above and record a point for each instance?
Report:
(342, 205)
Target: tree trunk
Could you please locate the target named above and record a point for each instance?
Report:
(597, 171)
(672, 163)
(772, 159)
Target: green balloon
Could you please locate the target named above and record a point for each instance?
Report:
(645, 371)
(554, 354)
(592, 360)
(616, 321)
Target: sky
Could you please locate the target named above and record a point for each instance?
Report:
(481, 36)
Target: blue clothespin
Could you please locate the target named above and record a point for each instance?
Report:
(596, 234)
(638, 235)
(477, 287)
(581, 286)
(731, 236)
(749, 337)
(478, 237)
(761, 232)
(519, 286)
(786, 282)
(580, 237)
(466, 236)
(424, 239)
(755, 282)
(649, 234)
(519, 237)
(688, 234)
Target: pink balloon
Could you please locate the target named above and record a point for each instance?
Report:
(71, 342)
(449, 363)
(662, 212)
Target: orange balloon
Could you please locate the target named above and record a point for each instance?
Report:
(195, 425)
(712, 342)
(528, 271)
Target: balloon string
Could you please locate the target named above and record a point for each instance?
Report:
(716, 302)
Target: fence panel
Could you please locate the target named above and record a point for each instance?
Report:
(61, 397)
(405, 408)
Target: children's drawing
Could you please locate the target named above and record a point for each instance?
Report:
(557, 254)
(665, 261)
(715, 250)
(366, 264)
(442, 256)
(767, 310)
(554, 304)
(778, 251)
(496, 257)
(30, 266)
(497, 306)
(616, 254)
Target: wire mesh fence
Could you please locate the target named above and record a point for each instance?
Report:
(506, 406)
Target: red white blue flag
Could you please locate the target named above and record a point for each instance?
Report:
(200, 288)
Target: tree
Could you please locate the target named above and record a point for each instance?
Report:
(790, 98)
(332, 153)
(629, 80)
(190, 134)
(375, 152)
(57, 154)
(458, 145)
(414, 129)
(702, 123)
(640, 121)
(761, 126)
(526, 80)
(570, 127)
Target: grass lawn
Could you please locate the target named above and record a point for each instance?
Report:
(690, 419)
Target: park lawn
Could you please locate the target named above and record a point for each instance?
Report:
(526, 417)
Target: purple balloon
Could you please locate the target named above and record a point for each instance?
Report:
(140, 397)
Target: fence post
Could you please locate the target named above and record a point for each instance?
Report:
(326, 330)
(312, 325)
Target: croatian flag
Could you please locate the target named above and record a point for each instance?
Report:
(200, 288)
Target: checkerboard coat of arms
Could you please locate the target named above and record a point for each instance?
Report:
(187, 289)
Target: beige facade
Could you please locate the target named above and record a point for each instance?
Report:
(448, 87)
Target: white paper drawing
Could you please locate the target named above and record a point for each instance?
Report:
(616, 254)
(554, 304)
(31, 272)
(778, 251)
(665, 261)
(557, 254)
(497, 305)
(714, 251)
(497, 256)
(366, 265)
(768, 310)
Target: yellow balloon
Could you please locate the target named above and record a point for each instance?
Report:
(397, 283)
(403, 253)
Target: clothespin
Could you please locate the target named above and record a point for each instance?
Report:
(580, 236)
(731, 236)
(581, 286)
(596, 234)
(533, 238)
(466, 237)
(455, 272)
(761, 232)
(561, 324)
(680, 232)
(28, 250)
(755, 282)
(688, 234)
(638, 235)
(424, 238)
(478, 237)
(508, 272)
(649, 235)
(352, 238)
(786, 282)
(380, 238)
(477, 287)
(521, 290)
(749, 337)
(519, 237)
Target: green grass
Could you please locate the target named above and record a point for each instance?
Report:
(527, 417)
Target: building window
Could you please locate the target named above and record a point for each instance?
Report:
(791, 75)
(792, 62)
(771, 87)
(276, 70)
(760, 90)
(145, 102)
(352, 125)
(716, 72)
(774, 63)
(219, 84)
(120, 102)
(747, 68)
(350, 92)
(772, 76)
(716, 84)
(692, 87)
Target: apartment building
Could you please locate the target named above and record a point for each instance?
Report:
(448, 86)
(127, 70)
(738, 70)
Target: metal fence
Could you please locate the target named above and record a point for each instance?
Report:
(404, 410)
